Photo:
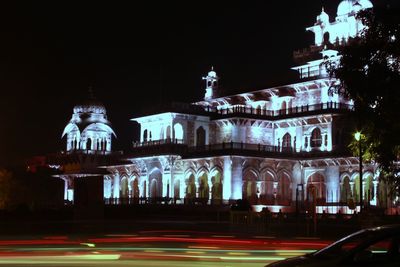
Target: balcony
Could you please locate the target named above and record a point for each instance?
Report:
(259, 113)
(249, 112)
(177, 147)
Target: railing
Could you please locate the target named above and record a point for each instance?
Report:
(92, 152)
(164, 200)
(159, 142)
(216, 113)
(329, 106)
(180, 148)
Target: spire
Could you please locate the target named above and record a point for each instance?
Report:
(211, 84)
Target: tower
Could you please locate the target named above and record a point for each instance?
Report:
(211, 84)
(89, 129)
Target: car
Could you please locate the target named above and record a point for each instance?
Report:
(378, 246)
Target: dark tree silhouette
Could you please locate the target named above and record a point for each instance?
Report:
(369, 73)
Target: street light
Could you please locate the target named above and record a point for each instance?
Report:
(357, 136)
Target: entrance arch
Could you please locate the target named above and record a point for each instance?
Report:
(317, 180)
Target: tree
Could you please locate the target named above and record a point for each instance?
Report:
(369, 73)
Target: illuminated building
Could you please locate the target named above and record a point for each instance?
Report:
(269, 146)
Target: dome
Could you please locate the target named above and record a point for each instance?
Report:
(90, 106)
(352, 6)
(212, 74)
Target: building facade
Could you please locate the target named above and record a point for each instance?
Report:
(279, 147)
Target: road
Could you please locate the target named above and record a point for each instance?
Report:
(152, 248)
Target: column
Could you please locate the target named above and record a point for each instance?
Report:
(352, 189)
(332, 183)
(375, 195)
(227, 174)
(237, 178)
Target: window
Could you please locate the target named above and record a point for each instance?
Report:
(316, 138)
(286, 141)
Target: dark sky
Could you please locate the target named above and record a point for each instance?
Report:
(134, 56)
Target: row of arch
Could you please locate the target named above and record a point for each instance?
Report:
(177, 133)
(315, 140)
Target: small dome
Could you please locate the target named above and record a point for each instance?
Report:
(323, 17)
(212, 74)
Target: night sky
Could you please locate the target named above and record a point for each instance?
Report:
(134, 56)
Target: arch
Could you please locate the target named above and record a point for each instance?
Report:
(345, 190)
(268, 191)
(161, 133)
(200, 136)
(168, 132)
(284, 188)
(99, 127)
(190, 186)
(343, 175)
(216, 183)
(177, 188)
(178, 131)
(145, 135)
(286, 142)
(316, 138)
(250, 177)
(316, 181)
(134, 185)
(124, 188)
(89, 144)
(204, 189)
(71, 128)
(155, 183)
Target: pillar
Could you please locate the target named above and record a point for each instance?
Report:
(332, 183)
(226, 183)
(237, 178)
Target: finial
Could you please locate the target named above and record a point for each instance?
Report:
(323, 9)
(90, 92)
(212, 67)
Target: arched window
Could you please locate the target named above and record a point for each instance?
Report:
(178, 129)
(89, 144)
(200, 136)
(286, 142)
(316, 182)
(145, 135)
(316, 138)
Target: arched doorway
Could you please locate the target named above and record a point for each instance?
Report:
(135, 188)
(216, 190)
(268, 189)
(284, 190)
(190, 188)
(155, 184)
(204, 189)
(345, 192)
(177, 189)
(250, 187)
(317, 181)
(124, 189)
(200, 136)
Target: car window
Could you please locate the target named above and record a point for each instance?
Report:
(380, 251)
(344, 245)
